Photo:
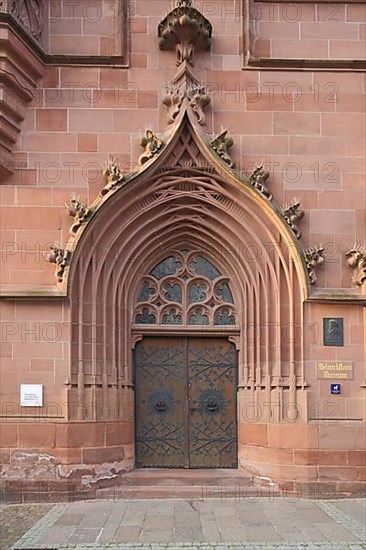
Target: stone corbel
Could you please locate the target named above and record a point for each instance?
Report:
(221, 144)
(356, 260)
(258, 179)
(61, 258)
(293, 214)
(314, 257)
(151, 144)
(186, 31)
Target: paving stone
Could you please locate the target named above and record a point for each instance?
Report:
(194, 525)
(156, 536)
(187, 533)
(70, 518)
(233, 535)
(15, 520)
(334, 532)
(130, 533)
(81, 535)
(57, 534)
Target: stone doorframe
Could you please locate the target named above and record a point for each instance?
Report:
(186, 197)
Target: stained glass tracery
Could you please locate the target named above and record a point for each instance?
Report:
(185, 289)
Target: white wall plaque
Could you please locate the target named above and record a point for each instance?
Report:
(31, 395)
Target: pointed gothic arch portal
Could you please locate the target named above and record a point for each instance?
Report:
(185, 248)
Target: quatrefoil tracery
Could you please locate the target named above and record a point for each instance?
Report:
(185, 289)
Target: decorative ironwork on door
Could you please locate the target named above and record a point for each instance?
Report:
(186, 403)
(185, 289)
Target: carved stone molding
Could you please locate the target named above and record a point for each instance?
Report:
(113, 176)
(79, 212)
(151, 144)
(314, 257)
(356, 260)
(196, 96)
(173, 99)
(258, 179)
(185, 91)
(61, 258)
(186, 31)
(293, 214)
(221, 144)
(30, 14)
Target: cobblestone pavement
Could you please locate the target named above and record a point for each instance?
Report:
(265, 523)
(16, 520)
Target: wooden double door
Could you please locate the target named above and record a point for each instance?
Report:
(186, 403)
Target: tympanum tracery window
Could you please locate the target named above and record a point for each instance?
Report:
(185, 289)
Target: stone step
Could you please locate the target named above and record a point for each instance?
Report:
(151, 483)
(196, 492)
(160, 477)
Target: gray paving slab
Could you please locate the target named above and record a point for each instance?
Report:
(84, 535)
(211, 525)
(130, 533)
(355, 510)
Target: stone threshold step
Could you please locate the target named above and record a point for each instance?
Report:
(203, 492)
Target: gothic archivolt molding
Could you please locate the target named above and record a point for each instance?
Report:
(185, 146)
(186, 150)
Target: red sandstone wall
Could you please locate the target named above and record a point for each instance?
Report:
(307, 126)
(313, 30)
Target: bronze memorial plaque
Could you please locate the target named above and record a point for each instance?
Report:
(333, 331)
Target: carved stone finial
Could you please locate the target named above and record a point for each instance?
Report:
(61, 258)
(314, 257)
(293, 214)
(113, 176)
(258, 179)
(221, 144)
(151, 144)
(185, 30)
(79, 212)
(357, 261)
